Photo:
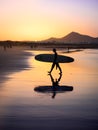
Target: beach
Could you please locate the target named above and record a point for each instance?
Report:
(23, 108)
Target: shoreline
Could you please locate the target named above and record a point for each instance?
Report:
(16, 58)
(13, 60)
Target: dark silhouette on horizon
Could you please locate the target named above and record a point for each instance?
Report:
(55, 63)
(7, 44)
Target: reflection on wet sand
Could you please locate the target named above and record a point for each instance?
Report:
(55, 88)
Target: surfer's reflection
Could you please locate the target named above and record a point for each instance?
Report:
(55, 84)
(54, 88)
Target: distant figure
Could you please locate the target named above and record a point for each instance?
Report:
(68, 49)
(4, 46)
(55, 63)
(55, 84)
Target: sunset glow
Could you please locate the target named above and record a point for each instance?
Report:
(42, 19)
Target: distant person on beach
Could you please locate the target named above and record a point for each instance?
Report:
(55, 62)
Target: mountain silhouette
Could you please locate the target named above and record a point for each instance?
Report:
(74, 37)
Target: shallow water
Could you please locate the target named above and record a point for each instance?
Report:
(23, 108)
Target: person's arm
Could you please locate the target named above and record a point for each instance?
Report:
(55, 57)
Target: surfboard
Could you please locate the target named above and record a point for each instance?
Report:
(50, 58)
(46, 89)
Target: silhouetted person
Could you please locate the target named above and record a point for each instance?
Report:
(4, 46)
(55, 84)
(55, 62)
(68, 49)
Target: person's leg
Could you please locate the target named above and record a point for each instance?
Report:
(53, 65)
(57, 64)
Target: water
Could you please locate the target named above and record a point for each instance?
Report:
(23, 108)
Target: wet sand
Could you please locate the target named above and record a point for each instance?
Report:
(13, 60)
(23, 108)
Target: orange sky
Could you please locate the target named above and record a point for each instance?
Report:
(42, 19)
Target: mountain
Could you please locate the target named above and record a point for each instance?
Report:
(74, 37)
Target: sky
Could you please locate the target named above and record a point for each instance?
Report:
(41, 19)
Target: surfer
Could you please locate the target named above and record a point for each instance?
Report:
(55, 63)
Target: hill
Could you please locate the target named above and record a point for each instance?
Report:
(74, 37)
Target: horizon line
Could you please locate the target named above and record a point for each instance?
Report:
(48, 38)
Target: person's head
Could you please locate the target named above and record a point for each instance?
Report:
(54, 50)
